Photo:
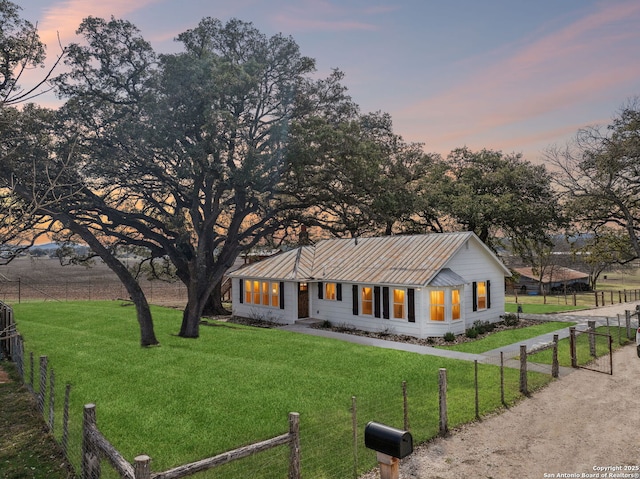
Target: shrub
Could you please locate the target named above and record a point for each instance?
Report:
(510, 319)
(471, 333)
(483, 326)
(449, 337)
(326, 324)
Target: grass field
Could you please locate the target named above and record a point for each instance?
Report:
(582, 348)
(190, 399)
(511, 336)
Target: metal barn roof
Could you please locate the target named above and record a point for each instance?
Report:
(411, 259)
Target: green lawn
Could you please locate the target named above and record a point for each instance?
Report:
(582, 348)
(505, 338)
(190, 399)
(531, 307)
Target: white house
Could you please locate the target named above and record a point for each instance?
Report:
(419, 285)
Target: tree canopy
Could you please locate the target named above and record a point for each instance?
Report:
(600, 175)
(194, 157)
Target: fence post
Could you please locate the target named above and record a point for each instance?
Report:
(572, 347)
(294, 431)
(43, 383)
(502, 378)
(90, 460)
(65, 419)
(523, 369)
(31, 373)
(141, 467)
(596, 293)
(405, 405)
(592, 337)
(627, 315)
(354, 428)
(555, 366)
(475, 365)
(442, 383)
(51, 399)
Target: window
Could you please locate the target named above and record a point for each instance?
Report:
(247, 291)
(481, 295)
(455, 304)
(437, 305)
(367, 300)
(256, 292)
(275, 295)
(266, 293)
(398, 303)
(330, 291)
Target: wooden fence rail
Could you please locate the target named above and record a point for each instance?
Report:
(95, 446)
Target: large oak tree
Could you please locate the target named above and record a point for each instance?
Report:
(186, 155)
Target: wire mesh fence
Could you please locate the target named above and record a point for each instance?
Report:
(332, 440)
(156, 292)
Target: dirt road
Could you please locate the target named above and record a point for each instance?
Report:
(575, 427)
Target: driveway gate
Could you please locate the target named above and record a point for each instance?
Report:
(591, 350)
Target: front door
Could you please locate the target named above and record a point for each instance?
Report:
(303, 300)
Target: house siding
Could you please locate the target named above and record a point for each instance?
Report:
(469, 262)
(288, 315)
(340, 313)
(474, 264)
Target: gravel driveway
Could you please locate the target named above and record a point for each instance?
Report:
(584, 425)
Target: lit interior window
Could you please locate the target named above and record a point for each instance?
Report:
(398, 303)
(275, 296)
(367, 300)
(455, 304)
(330, 291)
(437, 305)
(482, 295)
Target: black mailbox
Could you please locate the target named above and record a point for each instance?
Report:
(388, 440)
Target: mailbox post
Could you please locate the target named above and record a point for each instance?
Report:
(390, 444)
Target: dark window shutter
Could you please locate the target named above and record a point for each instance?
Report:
(339, 292)
(475, 296)
(376, 301)
(320, 290)
(488, 294)
(411, 299)
(281, 291)
(385, 302)
(241, 289)
(355, 299)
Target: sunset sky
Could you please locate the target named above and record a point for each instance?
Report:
(510, 75)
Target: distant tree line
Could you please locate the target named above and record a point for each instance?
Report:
(193, 158)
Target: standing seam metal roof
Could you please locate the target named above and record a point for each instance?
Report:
(411, 259)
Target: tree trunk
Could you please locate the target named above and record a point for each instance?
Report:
(213, 306)
(190, 327)
(197, 299)
(147, 334)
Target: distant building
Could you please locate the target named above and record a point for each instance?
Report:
(556, 279)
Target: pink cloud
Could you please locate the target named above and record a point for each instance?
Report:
(63, 18)
(584, 61)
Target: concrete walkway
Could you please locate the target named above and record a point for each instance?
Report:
(599, 315)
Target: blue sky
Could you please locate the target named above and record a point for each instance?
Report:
(510, 75)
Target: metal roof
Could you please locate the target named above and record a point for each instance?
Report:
(557, 274)
(411, 260)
